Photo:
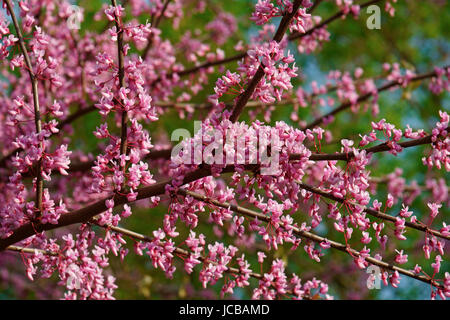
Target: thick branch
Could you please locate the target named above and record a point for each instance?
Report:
(374, 213)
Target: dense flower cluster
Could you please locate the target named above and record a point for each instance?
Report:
(440, 155)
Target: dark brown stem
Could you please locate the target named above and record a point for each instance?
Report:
(245, 96)
(310, 236)
(124, 122)
(366, 96)
(90, 211)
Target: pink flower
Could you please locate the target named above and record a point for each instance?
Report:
(394, 279)
(114, 12)
(126, 211)
(109, 203)
(261, 256)
(437, 264)
(434, 207)
(401, 258)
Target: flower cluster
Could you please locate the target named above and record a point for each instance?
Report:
(440, 154)
(277, 72)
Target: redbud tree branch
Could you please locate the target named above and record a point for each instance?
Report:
(325, 22)
(90, 211)
(31, 250)
(375, 149)
(245, 96)
(309, 236)
(140, 237)
(37, 113)
(241, 55)
(366, 96)
(123, 128)
(372, 212)
(154, 25)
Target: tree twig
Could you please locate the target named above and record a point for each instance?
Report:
(310, 236)
(366, 96)
(86, 213)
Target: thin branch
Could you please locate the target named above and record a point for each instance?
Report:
(244, 54)
(37, 113)
(325, 22)
(375, 149)
(31, 250)
(245, 96)
(309, 236)
(366, 96)
(88, 212)
(314, 6)
(123, 127)
(372, 212)
(155, 25)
